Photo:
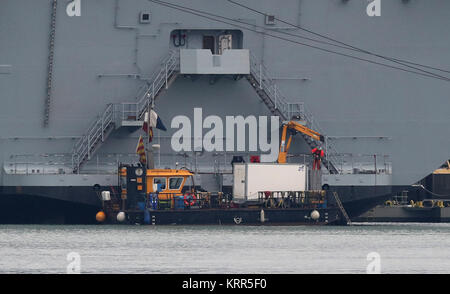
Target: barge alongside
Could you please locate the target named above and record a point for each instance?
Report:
(160, 196)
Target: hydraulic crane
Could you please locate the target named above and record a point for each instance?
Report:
(294, 127)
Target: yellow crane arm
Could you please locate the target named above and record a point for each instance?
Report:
(292, 125)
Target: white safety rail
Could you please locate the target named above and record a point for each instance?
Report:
(160, 80)
(116, 114)
(332, 160)
(271, 95)
(364, 163)
(61, 163)
(278, 102)
(96, 133)
(128, 112)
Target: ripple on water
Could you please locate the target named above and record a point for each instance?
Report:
(404, 248)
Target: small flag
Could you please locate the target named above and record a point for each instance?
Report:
(140, 150)
(145, 124)
(150, 135)
(155, 121)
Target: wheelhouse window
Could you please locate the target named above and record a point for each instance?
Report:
(161, 181)
(175, 183)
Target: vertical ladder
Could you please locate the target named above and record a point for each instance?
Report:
(50, 63)
(341, 207)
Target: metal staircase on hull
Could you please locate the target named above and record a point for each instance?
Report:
(129, 114)
(342, 209)
(126, 114)
(272, 97)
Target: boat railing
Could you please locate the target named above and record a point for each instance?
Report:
(220, 163)
(294, 199)
(351, 163)
(187, 200)
(61, 164)
(215, 163)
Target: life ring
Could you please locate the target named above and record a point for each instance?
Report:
(237, 220)
(189, 199)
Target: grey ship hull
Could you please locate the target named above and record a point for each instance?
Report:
(106, 54)
(57, 205)
(406, 214)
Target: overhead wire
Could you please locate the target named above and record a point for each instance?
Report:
(352, 47)
(204, 14)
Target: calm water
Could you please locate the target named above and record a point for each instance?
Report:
(403, 248)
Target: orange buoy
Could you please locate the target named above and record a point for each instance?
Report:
(100, 216)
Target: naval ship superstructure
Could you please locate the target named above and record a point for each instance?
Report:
(76, 78)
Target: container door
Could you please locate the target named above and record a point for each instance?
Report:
(239, 181)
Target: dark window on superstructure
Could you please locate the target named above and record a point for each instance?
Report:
(270, 19)
(161, 181)
(175, 183)
(209, 43)
(144, 17)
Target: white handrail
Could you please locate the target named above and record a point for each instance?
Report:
(127, 110)
(286, 109)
